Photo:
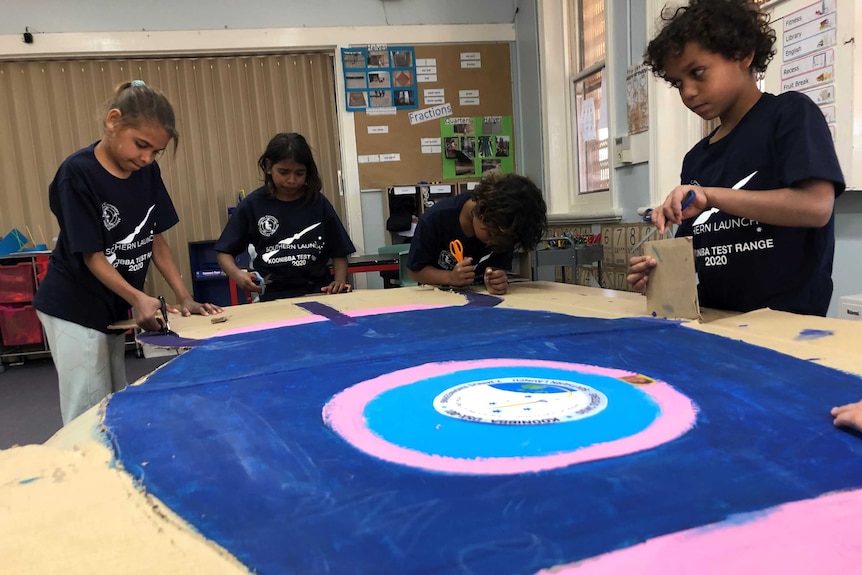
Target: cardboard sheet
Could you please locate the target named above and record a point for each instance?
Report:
(672, 286)
(68, 511)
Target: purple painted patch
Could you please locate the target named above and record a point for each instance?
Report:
(814, 333)
(161, 340)
(329, 313)
(481, 299)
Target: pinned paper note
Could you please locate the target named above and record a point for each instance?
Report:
(588, 120)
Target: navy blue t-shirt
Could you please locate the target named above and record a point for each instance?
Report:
(441, 225)
(99, 212)
(294, 241)
(743, 264)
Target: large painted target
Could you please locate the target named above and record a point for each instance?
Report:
(501, 416)
(481, 440)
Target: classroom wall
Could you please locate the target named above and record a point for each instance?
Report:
(632, 181)
(847, 82)
(528, 93)
(847, 273)
(51, 16)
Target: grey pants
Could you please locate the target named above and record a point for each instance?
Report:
(90, 364)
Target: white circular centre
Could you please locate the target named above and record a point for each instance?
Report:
(520, 401)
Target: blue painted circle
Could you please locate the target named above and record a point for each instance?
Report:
(405, 416)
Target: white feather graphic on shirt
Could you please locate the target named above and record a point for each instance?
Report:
(111, 254)
(704, 216)
(286, 242)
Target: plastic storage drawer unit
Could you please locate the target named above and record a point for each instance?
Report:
(17, 284)
(19, 325)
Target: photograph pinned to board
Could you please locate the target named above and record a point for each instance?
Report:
(467, 128)
(452, 145)
(380, 98)
(378, 80)
(357, 100)
(474, 146)
(492, 125)
(353, 58)
(405, 98)
(403, 79)
(379, 76)
(502, 147)
(378, 59)
(355, 80)
(486, 146)
(468, 146)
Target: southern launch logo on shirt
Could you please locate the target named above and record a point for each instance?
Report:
(110, 216)
(267, 225)
(293, 251)
(134, 248)
(446, 261)
(723, 235)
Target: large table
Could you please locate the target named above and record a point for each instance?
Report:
(736, 469)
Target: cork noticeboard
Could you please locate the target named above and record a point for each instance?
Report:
(493, 81)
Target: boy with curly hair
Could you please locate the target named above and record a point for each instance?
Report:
(501, 213)
(764, 181)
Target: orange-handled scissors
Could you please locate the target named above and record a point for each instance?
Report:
(456, 248)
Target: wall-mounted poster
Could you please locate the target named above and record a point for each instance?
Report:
(474, 146)
(379, 77)
(637, 99)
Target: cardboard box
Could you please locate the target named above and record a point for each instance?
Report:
(850, 307)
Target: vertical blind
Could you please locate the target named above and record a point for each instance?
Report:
(227, 109)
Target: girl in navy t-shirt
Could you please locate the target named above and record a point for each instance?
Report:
(112, 207)
(293, 228)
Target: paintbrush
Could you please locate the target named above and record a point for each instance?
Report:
(686, 202)
(647, 217)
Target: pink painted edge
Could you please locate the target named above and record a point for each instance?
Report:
(802, 537)
(344, 414)
(316, 318)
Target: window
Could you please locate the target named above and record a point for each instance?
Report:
(591, 125)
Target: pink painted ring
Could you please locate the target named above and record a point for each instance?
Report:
(344, 414)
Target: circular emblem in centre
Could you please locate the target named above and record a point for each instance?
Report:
(520, 401)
